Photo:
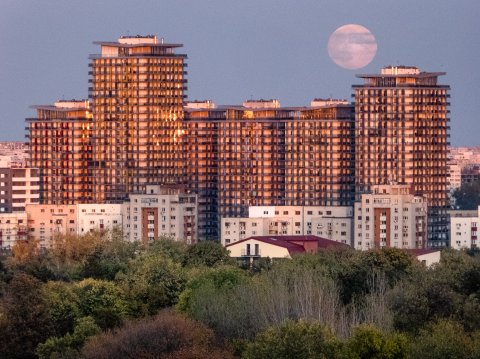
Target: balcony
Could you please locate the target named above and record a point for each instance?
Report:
(251, 253)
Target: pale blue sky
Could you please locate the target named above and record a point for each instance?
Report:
(238, 49)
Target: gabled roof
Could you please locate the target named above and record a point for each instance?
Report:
(288, 242)
(421, 251)
(291, 247)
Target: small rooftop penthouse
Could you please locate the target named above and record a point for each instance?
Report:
(135, 46)
(400, 76)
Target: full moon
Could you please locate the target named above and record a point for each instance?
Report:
(352, 46)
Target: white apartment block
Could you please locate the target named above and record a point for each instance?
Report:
(13, 227)
(334, 223)
(19, 186)
(161, 211)
(463, 229)
(391, 216)
(99, 217)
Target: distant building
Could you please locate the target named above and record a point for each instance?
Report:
(161, 211)
(401, 136)
(278, 247)
(13, 154)
(99, 217)
(13, 228)
(470, 173)
(463, 229)
(60, 146)
(334, 223)
(46, 221)
(390, 216)
(158, 212)
(18, 187)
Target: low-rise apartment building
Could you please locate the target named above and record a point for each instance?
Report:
(330, 222)
(390, 216)
(45, 221)
(99, 217)
(463, 229)
(19, 186)
(13, 228)
(161, 211)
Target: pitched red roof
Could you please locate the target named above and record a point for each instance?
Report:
(289, 242)
(291, 247)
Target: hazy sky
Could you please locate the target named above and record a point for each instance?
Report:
(238, 49)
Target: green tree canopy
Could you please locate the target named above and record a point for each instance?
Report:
(103, 300)
(24, 319)
(468, 196)
(207, 253)
(300, 340)
(152, 282)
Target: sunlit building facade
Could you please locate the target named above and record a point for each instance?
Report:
(261, 154)
(137, 92)
(59, 144)
(390, 216)
(401, 131)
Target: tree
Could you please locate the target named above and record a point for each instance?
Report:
(109, 257)
(207, 253)
(102, 300)
(63, 306)
(300, 340)
(152, 282)
(167, 335)
(69, 345)
(24, 320)
(445, 339)
(166, 247)
(468, 195)
(367, 342)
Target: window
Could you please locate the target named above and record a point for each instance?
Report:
(297, 213)
(285, 213)
(309, 212)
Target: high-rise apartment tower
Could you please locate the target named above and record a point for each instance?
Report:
(401, 131)
(59, 145)
(261, 154)
(137, 91)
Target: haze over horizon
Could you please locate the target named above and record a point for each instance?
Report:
(238, 50)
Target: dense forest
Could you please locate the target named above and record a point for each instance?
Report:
(99, 296)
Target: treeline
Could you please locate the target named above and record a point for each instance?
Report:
(99, 296)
